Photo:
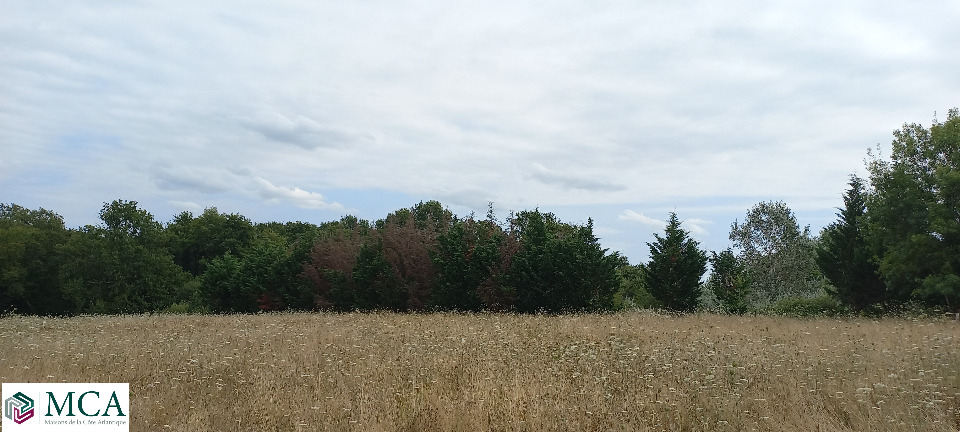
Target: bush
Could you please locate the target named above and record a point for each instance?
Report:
(806, 307)
(632, 294)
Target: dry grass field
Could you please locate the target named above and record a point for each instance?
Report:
(634, 371)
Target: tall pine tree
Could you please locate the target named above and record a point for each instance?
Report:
(845, 257)
(676, 264)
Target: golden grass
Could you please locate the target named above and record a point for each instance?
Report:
(634, 371)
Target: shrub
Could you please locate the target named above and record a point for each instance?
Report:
(804, 307)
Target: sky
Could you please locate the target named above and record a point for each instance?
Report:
(619, 111)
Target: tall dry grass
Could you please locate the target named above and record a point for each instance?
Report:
(369, 372)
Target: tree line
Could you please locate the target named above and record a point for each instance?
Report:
(896, 241)
(415, 259)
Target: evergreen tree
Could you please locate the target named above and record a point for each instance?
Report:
(560, 267)
(676, 265)
(375, 281)
(729, 282)
(845, 257)
(467, 256)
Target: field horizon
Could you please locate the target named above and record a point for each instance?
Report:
(448, 371)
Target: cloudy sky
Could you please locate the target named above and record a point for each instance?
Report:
(618, 110)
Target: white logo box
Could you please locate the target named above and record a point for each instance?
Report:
(28, 407)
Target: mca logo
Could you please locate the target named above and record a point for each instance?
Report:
(18, 408)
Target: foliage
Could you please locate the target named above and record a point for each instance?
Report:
(384, 265)
(375, 284)
(632, 294)
(560, 267)
(676, 265)
(263, 276)
(29, 260)
(407, 243)
(846, 258)
(914, 212)
(729, 282)
(195, 241)
(778, 256)
(468, 261)
(330, 265)
(120, 266)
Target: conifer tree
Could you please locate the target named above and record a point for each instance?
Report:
(676, 265)
(845, 256)
(729, 282)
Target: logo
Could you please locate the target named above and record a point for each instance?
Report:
(18, 408)
(45, 407)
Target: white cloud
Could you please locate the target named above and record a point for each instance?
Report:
(293, 195)
(186, 206)
(694, 226)
(632, 216)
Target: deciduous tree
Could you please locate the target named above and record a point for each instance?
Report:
(914, 212)
(29, 260)
(121, 265)
(196, 241)
(778, 255)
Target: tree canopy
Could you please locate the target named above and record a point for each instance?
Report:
(914, 212)
(896, 240)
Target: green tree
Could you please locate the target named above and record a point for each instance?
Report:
(222, 288)
(122, 265)
(729, 282)
(375, 282)
(265, 275)
(676, 265)
(632, 293)
(467, 258)
(914, 212)
(293, 242)
(845, 256)
(779, 257)
(560, 267)
(198, 240)
(29, 260)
